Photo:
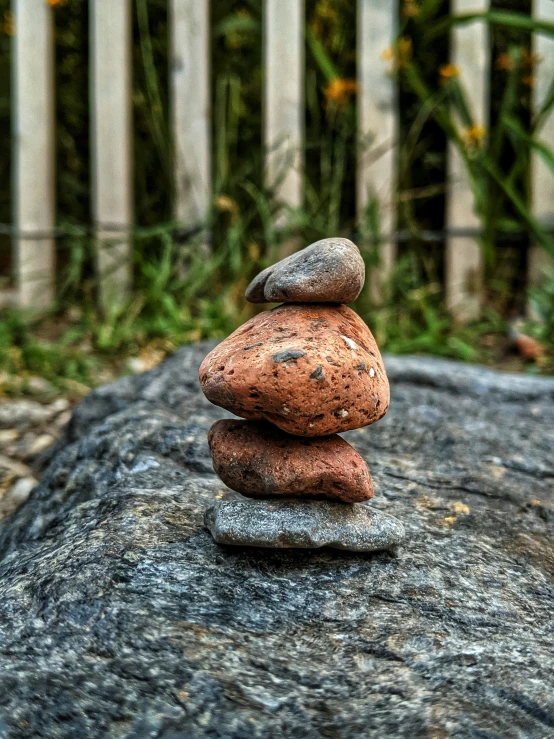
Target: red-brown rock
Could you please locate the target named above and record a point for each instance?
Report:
(258, 460)
(312, 370)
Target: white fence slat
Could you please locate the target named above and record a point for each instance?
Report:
(33, 134)
(9, 298)
(110, 23)
(190, 108)
(542, 179)
(377, 124)
(470, 53)
(284, 97)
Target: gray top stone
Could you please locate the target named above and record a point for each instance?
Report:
(120, 617)
(328, 271)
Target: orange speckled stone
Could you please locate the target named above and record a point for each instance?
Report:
(310, 369)
(258, 460)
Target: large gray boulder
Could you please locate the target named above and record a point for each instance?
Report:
(120, 616)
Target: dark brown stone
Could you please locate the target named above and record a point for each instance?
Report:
(258, 460)
(312, 370)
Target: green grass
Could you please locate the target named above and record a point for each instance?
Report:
(75, 349)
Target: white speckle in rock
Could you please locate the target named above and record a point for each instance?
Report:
(286, 410)
(350, 343)
(343, 412)
(143, 465)
(371, 372)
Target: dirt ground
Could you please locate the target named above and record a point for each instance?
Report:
(27, 429)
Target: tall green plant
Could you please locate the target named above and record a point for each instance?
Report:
(501, 198)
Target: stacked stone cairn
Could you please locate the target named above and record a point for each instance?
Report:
(299, 374)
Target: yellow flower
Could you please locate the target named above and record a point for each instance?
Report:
(324, 9)
(339, 90)
(236, 39)
(505, 62)
(8, 26)
(447, 71)
(404, 51)
(529, 80)
(474, 134)
(56, 3)
(399, 55)
(226, 204)
(531, 59)
(254, 251)
(410, 9)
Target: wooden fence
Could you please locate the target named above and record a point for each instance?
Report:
(111, 166)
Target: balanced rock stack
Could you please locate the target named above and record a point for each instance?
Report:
(300, 374)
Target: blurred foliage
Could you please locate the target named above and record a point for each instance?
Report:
(422, 155)
(152, 157)
(496, 156)
(25, 353)
(542, 303)
(182, 292)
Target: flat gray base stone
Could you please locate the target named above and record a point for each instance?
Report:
(299, 524)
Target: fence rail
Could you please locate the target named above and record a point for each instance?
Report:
(189, 80)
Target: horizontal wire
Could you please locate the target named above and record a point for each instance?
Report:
(105, 231)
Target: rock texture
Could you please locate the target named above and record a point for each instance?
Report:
(121, 617)
(329, 271)
(257, 459)
(311, 370)
(300, 524)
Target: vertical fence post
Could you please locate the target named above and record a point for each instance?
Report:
(110, 23)
(542, 179)
(33, 135)
(470, 54)
(190, 108)
(378, 127)
(284, 98)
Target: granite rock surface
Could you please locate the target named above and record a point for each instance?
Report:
(302, 524)
(311, 370)
(121, 617)
(328, 271)
(259, 460)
